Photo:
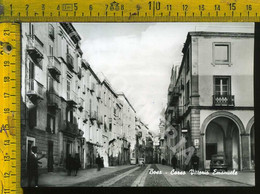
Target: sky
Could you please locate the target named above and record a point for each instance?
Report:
(137, 58)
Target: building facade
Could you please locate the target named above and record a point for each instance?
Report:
(211, 100)
(66, 108)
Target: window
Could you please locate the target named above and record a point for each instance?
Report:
(68, 89)
(70, 116)
(50, 85)
(222, 86)
(32, 117)
(31, 29)
(187, 61)
(221, 53)
(50, 50)
(51, 32)
(50, 123)
(188, 92)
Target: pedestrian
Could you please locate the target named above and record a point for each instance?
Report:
(102, 162)
(69, 164)
(174, 161)
(195, 162)
(33, 166)
(98, 162)
(76, 163)
(163, 161)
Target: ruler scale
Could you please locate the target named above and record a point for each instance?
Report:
(10, 107)
(85, 11)
(130, 11)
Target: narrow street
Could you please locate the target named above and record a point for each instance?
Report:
(151, 175)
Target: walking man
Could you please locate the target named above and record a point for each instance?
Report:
(33, 166)
(174, 161)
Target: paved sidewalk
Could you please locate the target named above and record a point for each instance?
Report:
(61, 179)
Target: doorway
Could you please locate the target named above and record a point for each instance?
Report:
(50, 156)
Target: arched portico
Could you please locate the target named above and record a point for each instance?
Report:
(228, 129)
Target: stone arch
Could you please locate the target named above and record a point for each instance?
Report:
(232, 117)
(250, 124)
(226, 114)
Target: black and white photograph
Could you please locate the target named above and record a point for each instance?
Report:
(137, 104)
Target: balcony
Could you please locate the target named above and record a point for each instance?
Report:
(35, 89)
(92, 87)
(174, 96)
(71, 129)
(72, 98)
(93, 115)
(80, 73)
(223, 100)
(34, 47)
(100, 120)
(54, 101)
(85, 116)
(99, 95)
(54, 65)
(81, 103)
(70, 61)
(178, 115)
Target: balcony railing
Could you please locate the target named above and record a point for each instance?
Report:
(35, 89)
(174, 96)
(70, 61)
(72, 129)
(35, 47)
(53, 100)
(54, 66)
(223, 100)
(72, 98)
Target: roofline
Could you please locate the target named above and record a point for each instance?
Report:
(211, 34)
(109, 87)
(122, 94)
(222, 34)
(69, 27)
(94, 74)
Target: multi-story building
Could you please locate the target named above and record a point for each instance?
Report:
(66, 108)
(144, 141)
(128, 126)
(108, 97)
(211, 102)
(50, 69)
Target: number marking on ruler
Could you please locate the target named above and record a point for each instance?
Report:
(130, 10)
(10, 107)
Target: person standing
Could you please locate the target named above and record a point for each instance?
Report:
(102, 162)
(33, 166)
(174, 161)
(76, 164)
(98, 162)
(69, 164)
(195, 162)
